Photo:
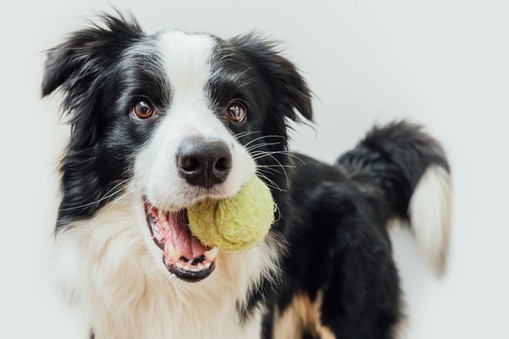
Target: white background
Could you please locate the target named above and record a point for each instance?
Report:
(443, 63)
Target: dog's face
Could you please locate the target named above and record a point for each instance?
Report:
(170, 119)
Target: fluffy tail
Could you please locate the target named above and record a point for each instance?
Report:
(406, 170)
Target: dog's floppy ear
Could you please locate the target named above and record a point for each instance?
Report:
(81, 67)
(84, 68)
(288, 85)
(86, 54)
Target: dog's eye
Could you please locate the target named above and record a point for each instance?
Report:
(236, 112)
(143, 109)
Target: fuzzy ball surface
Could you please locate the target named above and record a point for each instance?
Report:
(236, 223)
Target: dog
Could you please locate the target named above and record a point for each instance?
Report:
(162, 121)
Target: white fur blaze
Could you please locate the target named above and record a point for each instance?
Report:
(430, 214)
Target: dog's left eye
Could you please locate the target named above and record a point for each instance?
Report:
(143, 109)
(236, 112)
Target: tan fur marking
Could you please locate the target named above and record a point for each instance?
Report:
(301, 316)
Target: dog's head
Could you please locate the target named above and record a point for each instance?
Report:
(170, 119)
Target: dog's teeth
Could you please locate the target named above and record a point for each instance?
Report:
(173, 253)
(200, 267)
(211, 255)
(179, 265)
(186, 267)
(207, 265)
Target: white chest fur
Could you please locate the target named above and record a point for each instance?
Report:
(109, 272)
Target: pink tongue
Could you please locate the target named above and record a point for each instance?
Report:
(185, 243)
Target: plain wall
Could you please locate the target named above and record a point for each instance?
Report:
(441, 63)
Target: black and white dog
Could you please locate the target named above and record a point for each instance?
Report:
(162, 121)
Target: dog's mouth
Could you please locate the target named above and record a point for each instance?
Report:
(183, 254)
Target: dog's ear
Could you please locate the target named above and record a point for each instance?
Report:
(86, 54)
(81, 67)
(287, 84)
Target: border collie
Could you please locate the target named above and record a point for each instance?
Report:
(161, 121)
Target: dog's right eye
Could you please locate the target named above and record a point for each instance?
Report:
(143, 109)
(236, 111)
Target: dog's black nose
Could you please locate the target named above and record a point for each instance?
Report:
(204, 162)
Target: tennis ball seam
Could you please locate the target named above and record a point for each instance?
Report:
(216, 209)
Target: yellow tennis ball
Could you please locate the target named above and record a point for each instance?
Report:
(236, 223)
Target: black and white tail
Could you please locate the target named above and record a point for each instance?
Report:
(406, 171)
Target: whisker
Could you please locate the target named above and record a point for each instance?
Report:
(271, 183)
(246, 133)
(106, 196)
(268, 172)
(288, 153)
(124, 195)
(286, 166)
(294, 156)
(263, 137)
(279, 163)
(255, 146)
